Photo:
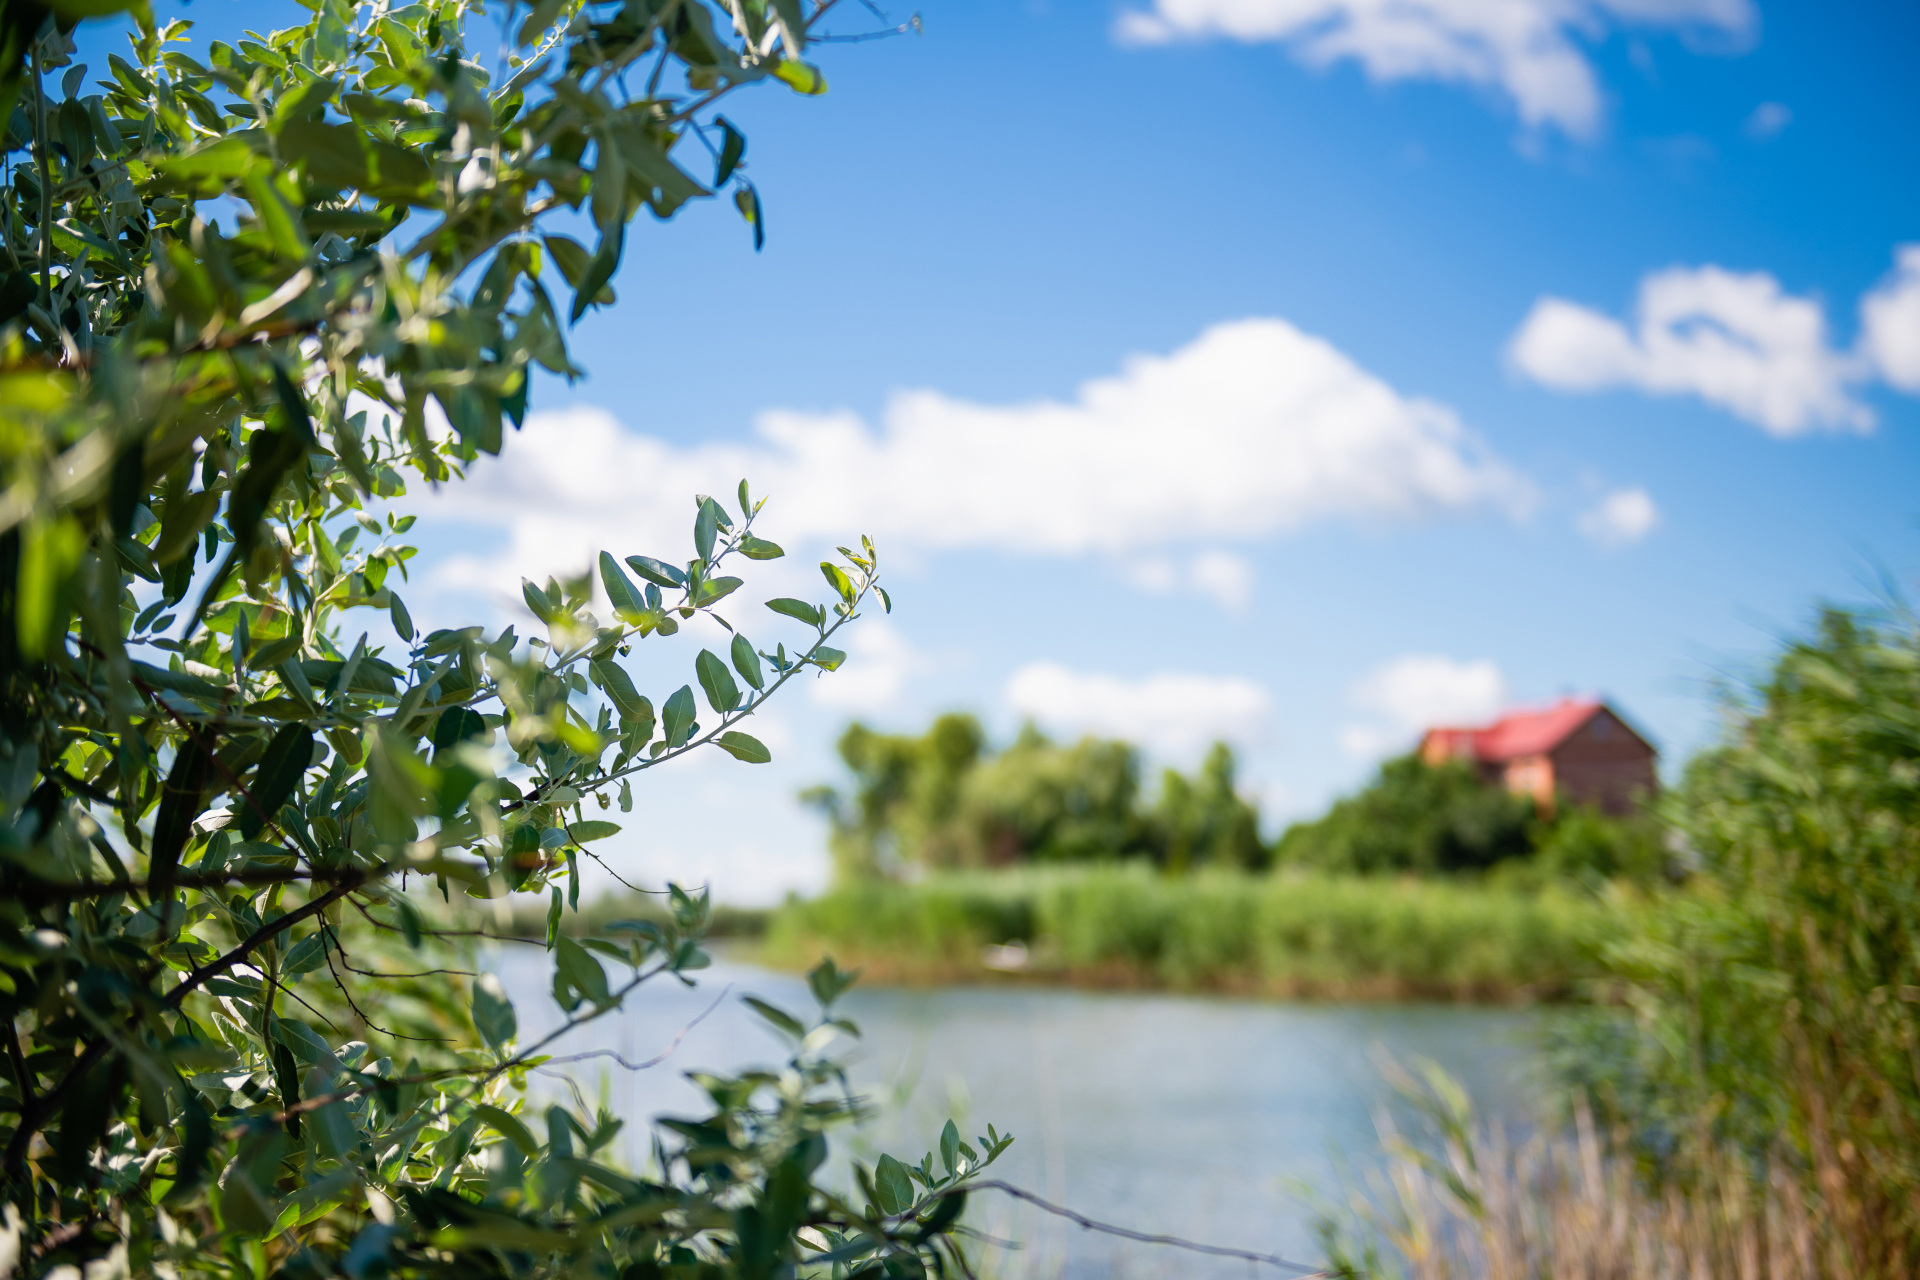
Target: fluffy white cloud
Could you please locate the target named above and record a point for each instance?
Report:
(1621, 517)
(1736, 340)
(879, 663)
(1890, 322)
(1170, 714)
(1526, 49)
(1417, 691)
(1253, 428)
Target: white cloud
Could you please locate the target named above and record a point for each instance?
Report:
(1736, 340)
(1170, 714)
(1526, 49)
(1253, 428)
(1416, 692)
(1621, 517)
(1769, 120)
(879, 663)
(1222, 576)
(1890, 322)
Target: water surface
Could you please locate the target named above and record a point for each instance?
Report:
(1211, 1118)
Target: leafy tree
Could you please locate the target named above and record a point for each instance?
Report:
(1415, 817)
(240, 291)
(942, 799)
(1038, 801)
(1204, 821)
(906, 797)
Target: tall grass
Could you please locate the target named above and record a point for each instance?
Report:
(1465, 1202)
(1226, 931)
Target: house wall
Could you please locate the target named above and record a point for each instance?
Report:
(1606, 764)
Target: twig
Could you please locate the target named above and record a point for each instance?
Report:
(657, 1058)
(327, 954)
(1106, 1228)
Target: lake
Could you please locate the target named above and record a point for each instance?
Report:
(1215, 1119)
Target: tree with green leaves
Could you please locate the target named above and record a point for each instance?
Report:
(249, 292)
(943, 800)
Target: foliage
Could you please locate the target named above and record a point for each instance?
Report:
(1415, 817)
(1282, 934)
(218, 807)
(944, 799)
(1777, 1007)
(1203, 820)
(1439, 819)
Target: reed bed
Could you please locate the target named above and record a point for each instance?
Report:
(1281, 935)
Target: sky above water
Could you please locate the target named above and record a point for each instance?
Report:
(1297, 372)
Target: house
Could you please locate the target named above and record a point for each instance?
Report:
(1579, 747)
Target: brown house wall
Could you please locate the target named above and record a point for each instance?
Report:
(1605, 764)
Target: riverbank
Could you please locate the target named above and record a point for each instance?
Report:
(1285, 936)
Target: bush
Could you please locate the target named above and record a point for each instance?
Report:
(1415, 817)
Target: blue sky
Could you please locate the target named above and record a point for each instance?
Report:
(1513, 348)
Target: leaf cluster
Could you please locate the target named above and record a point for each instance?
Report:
(248, 293)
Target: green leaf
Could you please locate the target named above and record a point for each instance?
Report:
(573, 260)
(599, 270)
(455, 725)
(733, 148)
(801, 77)
(537, 601)
(620, 592)
(747, 662)
(892, 1186)
(581, 971)
(591, 829)
(760, 549)
(778, 1017)
(950, 1148)
(743, 747)
(657, 572)
(508, 1126)
(493, 1015)
(837, 579)
(799, 610)
(402, 620)
(706, 525)
(611, 677)
(714, 590)
(679, 713)
(281, 767)
(722, 693)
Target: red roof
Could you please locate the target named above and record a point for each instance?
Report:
(1520, 733)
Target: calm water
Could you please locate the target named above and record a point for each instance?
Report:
(1214, 1119)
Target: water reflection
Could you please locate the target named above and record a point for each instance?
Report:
(1196, 1116)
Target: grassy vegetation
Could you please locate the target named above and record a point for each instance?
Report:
(1305, 934)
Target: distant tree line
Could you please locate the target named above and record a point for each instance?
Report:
(947, 799)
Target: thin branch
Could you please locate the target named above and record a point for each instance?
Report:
(41, 891)
(1304, 1272)
(326, 953)
(644, 1063)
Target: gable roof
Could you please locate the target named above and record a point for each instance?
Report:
(1521, 733)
